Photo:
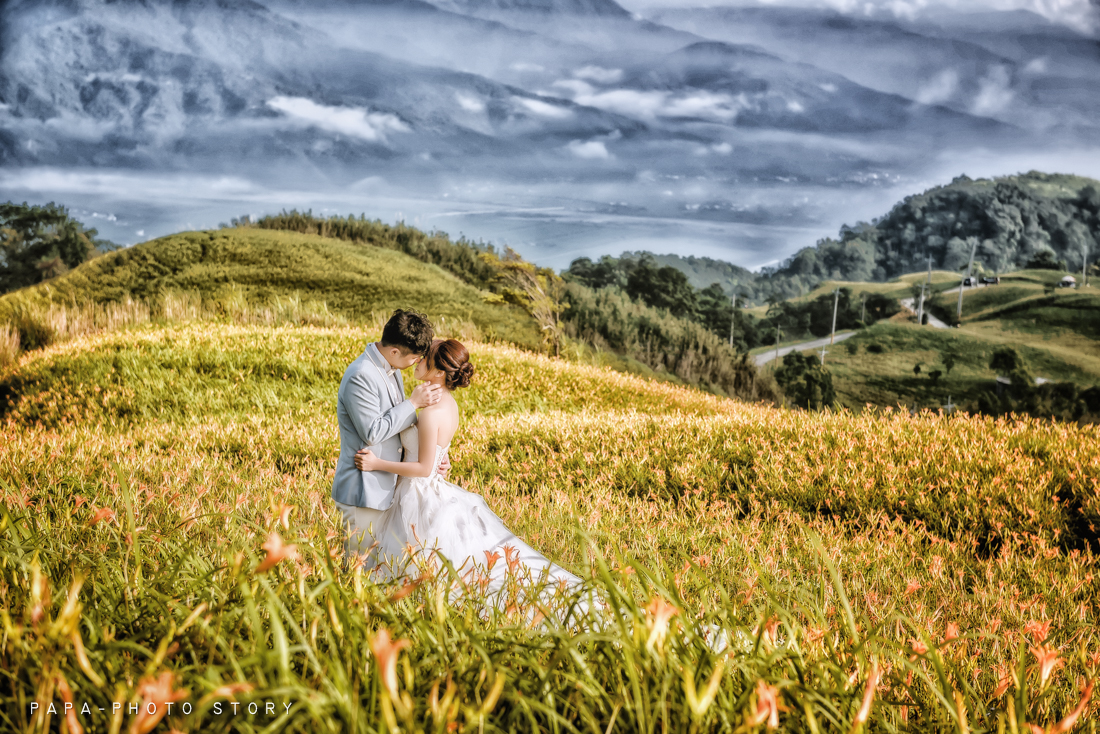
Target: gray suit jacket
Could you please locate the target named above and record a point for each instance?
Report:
(371, 415)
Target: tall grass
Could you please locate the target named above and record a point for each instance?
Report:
(759, 567)
(9, 344)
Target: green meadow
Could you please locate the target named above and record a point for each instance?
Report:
(751, 565)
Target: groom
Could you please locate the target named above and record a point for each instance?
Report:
(372, 410)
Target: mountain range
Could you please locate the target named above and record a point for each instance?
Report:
(561, 127)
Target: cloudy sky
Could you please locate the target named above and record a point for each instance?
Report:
(1083, 15)
(561, 138)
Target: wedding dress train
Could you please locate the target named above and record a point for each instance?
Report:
(431, 517)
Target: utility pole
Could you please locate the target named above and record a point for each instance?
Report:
(836, 299)
(863, 306)
(823, 353)
(1084, 265)
(969, 267)
(950, 406)
(927, 283)
(733, 318)
(777, 344)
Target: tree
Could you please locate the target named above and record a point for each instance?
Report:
(1005, 360)
(805, 381)
(600, 274)
(935, 376)
(662, 287)
(949, 359)
(715, 310)
(1046, 260)
(537, 290)
(42, 242)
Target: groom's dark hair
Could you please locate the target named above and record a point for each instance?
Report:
(408, 330)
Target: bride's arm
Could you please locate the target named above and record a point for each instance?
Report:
(428, 430)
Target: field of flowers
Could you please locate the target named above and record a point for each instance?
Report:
(166, 537)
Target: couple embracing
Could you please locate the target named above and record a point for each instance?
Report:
(390, 483)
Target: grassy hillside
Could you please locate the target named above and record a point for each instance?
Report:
(876, 365)
(353, 279)
(901, 564)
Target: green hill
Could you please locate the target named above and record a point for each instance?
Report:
(294, 267)
(1013, 220)
(356, 280)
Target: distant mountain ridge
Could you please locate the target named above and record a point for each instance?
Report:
(739, 129)
(606, 8)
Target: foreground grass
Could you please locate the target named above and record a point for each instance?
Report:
(921, 565)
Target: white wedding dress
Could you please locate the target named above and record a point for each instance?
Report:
(431, 517)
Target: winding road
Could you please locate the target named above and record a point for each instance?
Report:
(763, 359)
(908, 305)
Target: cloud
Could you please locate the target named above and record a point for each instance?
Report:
(599, 74)
(355, 122)
(1082, 15)
(590, 149)
(994, 92)
(651, 104)
(470, 104)
(544, 109)
(939, 88)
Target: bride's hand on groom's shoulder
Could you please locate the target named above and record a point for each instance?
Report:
(365, 460)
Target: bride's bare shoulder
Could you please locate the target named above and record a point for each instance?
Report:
(445, 407)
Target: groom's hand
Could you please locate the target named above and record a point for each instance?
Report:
(444, 466)
(426, 394)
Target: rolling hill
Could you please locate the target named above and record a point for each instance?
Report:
(356, 280)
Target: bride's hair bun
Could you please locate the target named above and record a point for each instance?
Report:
(451, 357)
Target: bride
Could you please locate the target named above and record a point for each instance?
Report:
(431, 517)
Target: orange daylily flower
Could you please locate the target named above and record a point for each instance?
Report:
(407, 589)
(491, 559)
(511, 557)
(385, 652)
(767, 706)
(912, 588)
(659, 613)
(1004, 680)
(868, 697)
(1048, 659)
(952, 632)
(103, 513)
(70, 713)
(771, 628)
(284, 515)
(1039, 631)
(917, 646)
(156, 695)
(276, 552)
